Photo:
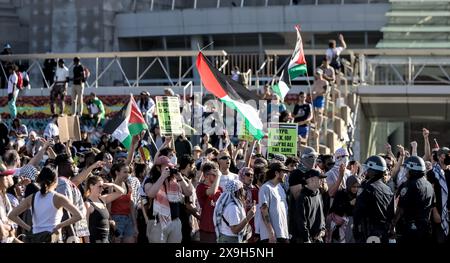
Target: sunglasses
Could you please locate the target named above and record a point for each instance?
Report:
(224, 158)
(248, 174)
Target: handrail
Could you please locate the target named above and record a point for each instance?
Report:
(369, 52)
(127, 54)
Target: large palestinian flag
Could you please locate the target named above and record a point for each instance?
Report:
(126, 123)
(295, 68)
(232, 94)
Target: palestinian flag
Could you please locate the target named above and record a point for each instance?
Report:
(283, 86)
(296, 67)
(232, 94)
(297, 64)
(126, 123)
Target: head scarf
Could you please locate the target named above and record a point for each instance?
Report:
(226, 198)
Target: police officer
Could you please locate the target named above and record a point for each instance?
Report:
(374, 208)
(412, 218)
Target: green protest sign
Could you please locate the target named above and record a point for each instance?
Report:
(282, 139)
(244, 134)
(169, 116)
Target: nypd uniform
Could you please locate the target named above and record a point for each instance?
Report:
(374, 208)
(416, 199)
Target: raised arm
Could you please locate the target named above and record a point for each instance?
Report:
(79, 179)
(341, 38)
(38, 157)
(215, 186)
(119, 191)
(427, 147)
(154, 188)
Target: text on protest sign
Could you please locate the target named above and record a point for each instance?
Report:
(282, 139)
(169, 117)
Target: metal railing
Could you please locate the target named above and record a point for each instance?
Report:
(135, 69)
(155, 5)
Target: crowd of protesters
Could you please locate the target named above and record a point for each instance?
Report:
(214, 188)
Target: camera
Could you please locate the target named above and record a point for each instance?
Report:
(173, 171)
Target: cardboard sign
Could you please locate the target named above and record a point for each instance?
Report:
(169, 116)
(69, 128)
(282, 139)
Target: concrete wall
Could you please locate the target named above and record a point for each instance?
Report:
(326, 18)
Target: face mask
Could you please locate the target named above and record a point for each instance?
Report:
(173, 160)
(308, 163)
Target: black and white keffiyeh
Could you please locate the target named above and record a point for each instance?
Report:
(226, 198)
(440, 176)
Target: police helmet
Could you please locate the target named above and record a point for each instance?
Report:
(376, 163)
(415, 163)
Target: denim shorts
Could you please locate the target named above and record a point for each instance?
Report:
(124, 226)
(303, 131)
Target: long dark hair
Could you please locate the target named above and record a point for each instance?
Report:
(46, 178)
(116, 168)
(93, 180)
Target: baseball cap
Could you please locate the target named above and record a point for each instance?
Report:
(279, 157)
(313, 173)
(120, 155)
(164, 160)
(278, 166)
(197, 149)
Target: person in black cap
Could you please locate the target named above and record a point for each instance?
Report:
(308, 215)
(412, 218)
(307, 162)
(439, 177)
(374, 208)
(271, 215)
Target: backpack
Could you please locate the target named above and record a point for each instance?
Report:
(19, 80)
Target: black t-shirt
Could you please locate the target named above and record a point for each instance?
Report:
(78, 74)
(301, 113)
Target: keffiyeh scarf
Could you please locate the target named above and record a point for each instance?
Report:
(226, 198)
(169, 192)
(440, 176)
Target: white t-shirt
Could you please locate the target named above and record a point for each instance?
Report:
(61, 74)
(274, 197)
(331, 51)
(233, 217)
(11, 82)
(225, 178)
(51, 130)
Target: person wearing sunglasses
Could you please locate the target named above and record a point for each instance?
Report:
(224, 160)
(246, 175)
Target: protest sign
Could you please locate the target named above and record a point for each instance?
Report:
(69, 128)
(169, 116)
(282, 139)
